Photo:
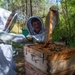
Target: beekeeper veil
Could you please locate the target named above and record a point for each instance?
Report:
(5, 15)
(31, 29)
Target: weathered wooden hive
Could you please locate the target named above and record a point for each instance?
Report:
(53, 59)
(49, 58)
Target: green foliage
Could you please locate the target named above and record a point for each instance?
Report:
(17, 46)
(66, 25)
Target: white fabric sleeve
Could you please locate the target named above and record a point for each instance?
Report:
(9, 37)
(5, 66)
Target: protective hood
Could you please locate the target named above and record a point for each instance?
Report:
(4, 15)
(31, 29)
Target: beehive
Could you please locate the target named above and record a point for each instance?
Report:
(53, 59)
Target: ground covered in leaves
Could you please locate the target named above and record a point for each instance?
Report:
(19, 60)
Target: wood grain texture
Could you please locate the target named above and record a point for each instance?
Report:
(57, 59)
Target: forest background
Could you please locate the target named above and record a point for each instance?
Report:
(65, 28)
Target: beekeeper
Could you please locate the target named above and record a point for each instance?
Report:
(7, 65)
(35, 28)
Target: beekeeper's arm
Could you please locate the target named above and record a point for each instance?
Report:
(11, 37)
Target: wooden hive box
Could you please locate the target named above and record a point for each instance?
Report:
(35, 63)
(52, 60)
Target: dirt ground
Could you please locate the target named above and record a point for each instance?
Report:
(19, 60)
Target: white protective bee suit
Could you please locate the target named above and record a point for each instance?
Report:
(7, 66)
(38, 37)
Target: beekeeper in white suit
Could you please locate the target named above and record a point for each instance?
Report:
(35, 28)
(7, 66)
